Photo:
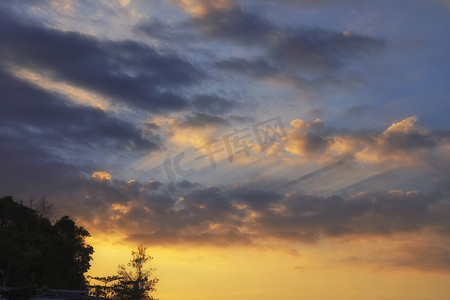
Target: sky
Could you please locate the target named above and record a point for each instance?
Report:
(260, 149)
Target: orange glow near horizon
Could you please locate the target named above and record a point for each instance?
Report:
(200, 272)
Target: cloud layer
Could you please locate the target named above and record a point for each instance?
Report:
(95, 97)
(126, 72)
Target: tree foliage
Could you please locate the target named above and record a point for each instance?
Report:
(35, 252)
(134, 283)
(103, 291)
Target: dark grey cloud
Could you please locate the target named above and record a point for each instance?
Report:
(258, 67)
(358, 110)
(126, 71)
(151, 126)
(237, 25)
(47, 143)
(212, 104)
(255, 198)
(188, 213)
(407, 141)
(380, 213)
(310, 58)
(321, 49)
(313, 2)
(40, 116)
(28, 170)
(316, 112)
(178, 33)
(286, 49)
(289, 53)
(241, 119)
(202, 120)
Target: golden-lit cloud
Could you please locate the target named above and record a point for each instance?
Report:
(308, 138)
(275, 150)
(124, 3)
(63, 5)
(119, 207)
(405, 126)
(75, 94)
(101, 175)
(201, 7)
(401, 144)
(185, 133)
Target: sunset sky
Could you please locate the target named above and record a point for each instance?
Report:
(261, 149)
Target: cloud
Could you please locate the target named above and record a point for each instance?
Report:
(358, 110)
(308, 2)
(186, 213)
(202, 120)
(101, 175)
(235, 24)
(65, 90)
(308, 58)
(401, 144)
(302, 56)
(310, 48)
(202, 7)
(402, 141)
(124, 3)
(70, 152)
(163, 31)
(258, 67)
(48, 119)
(212, 104)
(308, 138)
(48, 143)
(320, 49)
(28, 170)
(126, 72)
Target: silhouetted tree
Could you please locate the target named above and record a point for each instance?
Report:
(104, 291)
(74, 255)
(43, 208)
(135, 283)
(35, 252)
